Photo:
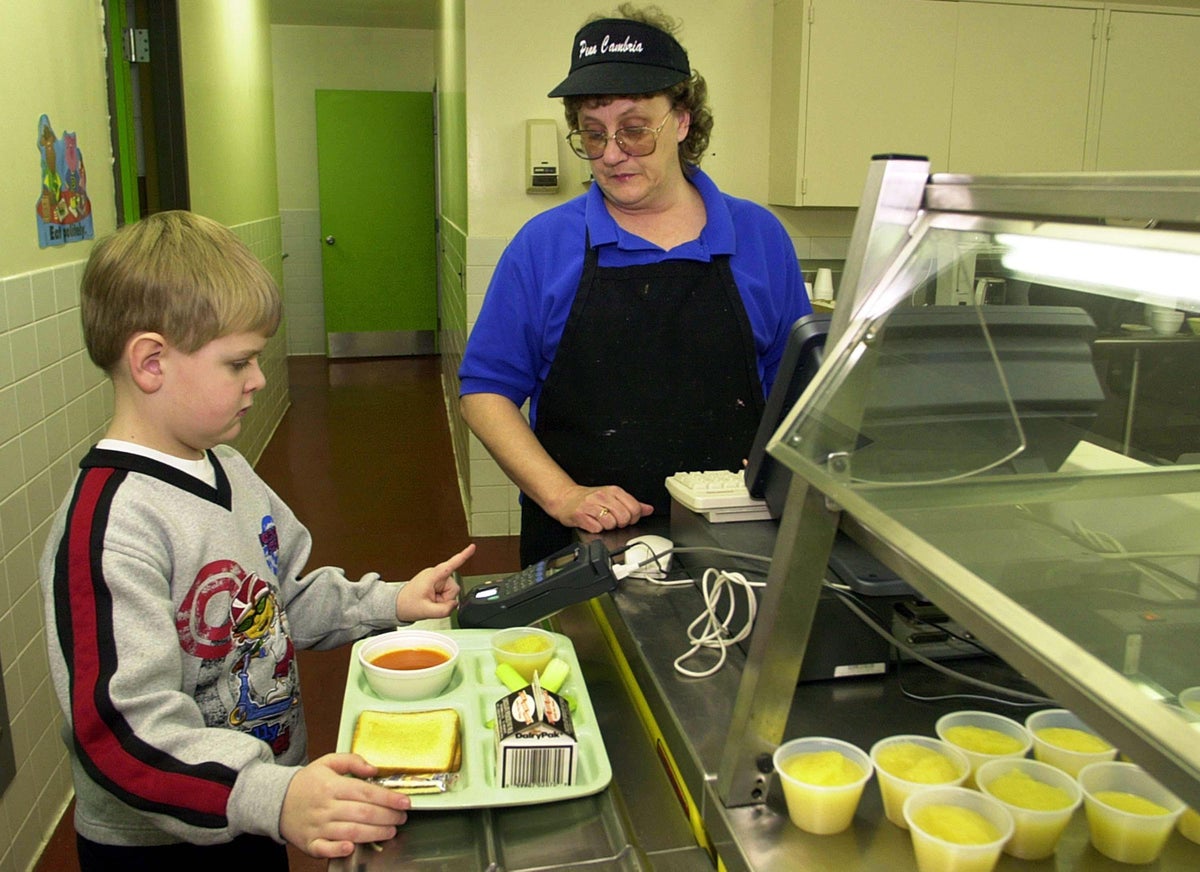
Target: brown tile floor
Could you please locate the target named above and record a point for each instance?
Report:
(363, 456)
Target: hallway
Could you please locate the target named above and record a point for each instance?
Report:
(363, 457)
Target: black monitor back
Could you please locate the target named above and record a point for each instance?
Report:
(766, 478)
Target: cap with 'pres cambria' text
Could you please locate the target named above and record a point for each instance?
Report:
(619, 56)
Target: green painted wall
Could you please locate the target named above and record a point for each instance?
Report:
(226, 48)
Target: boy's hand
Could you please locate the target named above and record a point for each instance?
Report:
(325, 814)
(432, 592)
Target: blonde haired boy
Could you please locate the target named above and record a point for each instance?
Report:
(175, 585)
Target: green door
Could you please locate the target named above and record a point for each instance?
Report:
(376, 187)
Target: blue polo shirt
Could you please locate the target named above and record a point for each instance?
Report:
(514, 340)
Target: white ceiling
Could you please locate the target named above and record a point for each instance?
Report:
(407, 14)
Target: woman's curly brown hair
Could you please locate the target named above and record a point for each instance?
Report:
(690, 95)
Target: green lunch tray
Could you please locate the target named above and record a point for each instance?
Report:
(473, 691)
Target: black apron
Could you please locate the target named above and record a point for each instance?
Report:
(656, 373)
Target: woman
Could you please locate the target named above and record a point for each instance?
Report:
(643, 320)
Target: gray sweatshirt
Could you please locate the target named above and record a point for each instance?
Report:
(173, 611)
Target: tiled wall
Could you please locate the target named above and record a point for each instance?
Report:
(489, 497)
(453, 336)
(303, 288)
(54, 404)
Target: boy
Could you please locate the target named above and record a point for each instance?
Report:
(173, 587)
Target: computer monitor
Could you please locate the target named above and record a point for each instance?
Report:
(932, 396)
(766, 478)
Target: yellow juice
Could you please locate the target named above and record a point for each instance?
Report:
(825, 791)
(1072, 739)
(823, 769)
(1035, 835)
(1130, 802)
(1024, 791)
(1129, 837)
(1189, 824)
(914, 764)
(529, 654)
(952, 823)
(982, 740)
(960, 827)
(1192, 705)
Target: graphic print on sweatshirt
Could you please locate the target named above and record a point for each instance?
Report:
(230, 618)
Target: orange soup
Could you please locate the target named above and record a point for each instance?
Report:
(410, 658)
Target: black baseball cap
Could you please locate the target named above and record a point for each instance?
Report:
(620, 56)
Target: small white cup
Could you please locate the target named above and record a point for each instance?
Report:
(1037, 831)
(1122, 835)
(1008, 728)
(894, 788)
(936, 854)
(816, 808)
(823, 285)
(1068, 760)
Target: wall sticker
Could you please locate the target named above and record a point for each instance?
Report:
(64, 212)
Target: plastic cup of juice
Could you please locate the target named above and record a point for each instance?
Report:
(955, 829)
(1189, 699)
(983, 736)
(1189, 824)
(1041, 799)
(525, 649)
(1061, 739)
(1129, 814)
(823, 781)
(910, 763)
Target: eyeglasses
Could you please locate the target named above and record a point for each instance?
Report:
(634, 141)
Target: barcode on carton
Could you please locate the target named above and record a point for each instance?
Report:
(535, 739)
(537, 767)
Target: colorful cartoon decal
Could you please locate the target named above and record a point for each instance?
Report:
(231, 618)
(64, 212)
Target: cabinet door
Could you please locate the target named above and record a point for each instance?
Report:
(880, 80)
(1021, 82)
(1150, 111)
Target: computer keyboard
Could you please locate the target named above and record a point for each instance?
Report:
(718, 494)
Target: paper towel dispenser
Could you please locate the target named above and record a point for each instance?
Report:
(541, 156)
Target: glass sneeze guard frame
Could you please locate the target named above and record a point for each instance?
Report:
(903, 522)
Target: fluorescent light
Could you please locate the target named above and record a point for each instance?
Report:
(1165, 278)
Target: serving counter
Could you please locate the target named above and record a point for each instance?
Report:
(978, 452)
(649, 624)
(663, 809)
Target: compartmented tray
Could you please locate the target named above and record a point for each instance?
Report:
(473, 691)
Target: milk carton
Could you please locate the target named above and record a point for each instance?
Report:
(535, 739)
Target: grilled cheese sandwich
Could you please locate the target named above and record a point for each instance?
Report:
(409, 743)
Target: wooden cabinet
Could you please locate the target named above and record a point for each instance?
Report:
(977, 86)
(1022, 76)
(870, 76)
(1150, 109)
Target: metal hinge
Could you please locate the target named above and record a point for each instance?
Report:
(137, 45)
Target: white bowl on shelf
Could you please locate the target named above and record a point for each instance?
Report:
(1164, 322)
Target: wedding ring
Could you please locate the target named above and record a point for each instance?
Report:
(603, 512)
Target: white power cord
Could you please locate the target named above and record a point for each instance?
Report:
(714, 630)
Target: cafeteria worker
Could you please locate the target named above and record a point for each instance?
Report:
(643, 320)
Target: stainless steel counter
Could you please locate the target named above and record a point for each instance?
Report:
(635, 824)
(638, 822)
(695, 716)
